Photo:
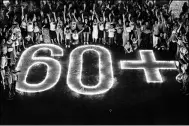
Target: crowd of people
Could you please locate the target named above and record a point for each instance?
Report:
(129, 24)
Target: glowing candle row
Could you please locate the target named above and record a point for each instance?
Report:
(106, 76)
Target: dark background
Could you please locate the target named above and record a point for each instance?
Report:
(130, 101)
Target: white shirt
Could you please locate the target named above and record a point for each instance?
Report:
(52, 26)
(30, 27)
(101, 26)
(128, 29)
(75, 36)
(36, 29)
(3, 62)
(111, 32)
(10, 78)
(4, 49)
(67, 35)
(16, 30)
(95, 27)
(128, 46)
(13, 37)
(107, 25)
(24, 25)
(14, 77)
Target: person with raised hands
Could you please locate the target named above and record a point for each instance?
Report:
(111, 34)
(86, 31)
(74, 21)
(119, 32)
(59, 31)
(12, 87)
(3, 63)
(80, 26)
(101, 28)
(107, 26)
(68, 36)
(30, 26)
(23, 23)
(37, 31)
(95, 28)
(8, 81)
(52, 32)
(75, 36)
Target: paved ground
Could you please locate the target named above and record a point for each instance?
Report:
(131, 101)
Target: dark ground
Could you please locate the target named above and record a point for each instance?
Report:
(130, 101)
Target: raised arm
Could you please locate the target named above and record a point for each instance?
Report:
(81, 31)
(181, 24)
(75, 17)
(104, 18)
(50, 6)
(124, 22)
(94, 6)
(54, 14)
(69, 15)
(22, 18)
(64, 16)
(41, 13)
(113, 13)
(157, 16)
(34, 18)
(26, 16)
(97, 17)
(93, 15)
(49, 17)
(162, 18)
(64, 12)
(83, 20)
(129, 18)
(110, 17)
(64, 30)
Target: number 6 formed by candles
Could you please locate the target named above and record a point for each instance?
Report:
(74, 75)
(28, 58)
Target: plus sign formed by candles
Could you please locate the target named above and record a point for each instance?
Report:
(150, 66)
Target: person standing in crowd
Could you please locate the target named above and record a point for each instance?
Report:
(59, 31)
(45, 31)
(111, 33)
(4, 63)
(86, 31)
(30, 25)
(75, 37)
(8, 81)
(101, 29)
(11, 53)
(36, 33)
(95, 29)
(12, 87)
(156, 34)
(119, 32)
(52, 32)
(23, 24)
(107, 26)
(68, 36)
(126, 34)
(80, 27)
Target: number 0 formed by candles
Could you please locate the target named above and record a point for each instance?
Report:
(74, 75)
(29, 59)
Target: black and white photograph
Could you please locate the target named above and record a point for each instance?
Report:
(94, 62)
